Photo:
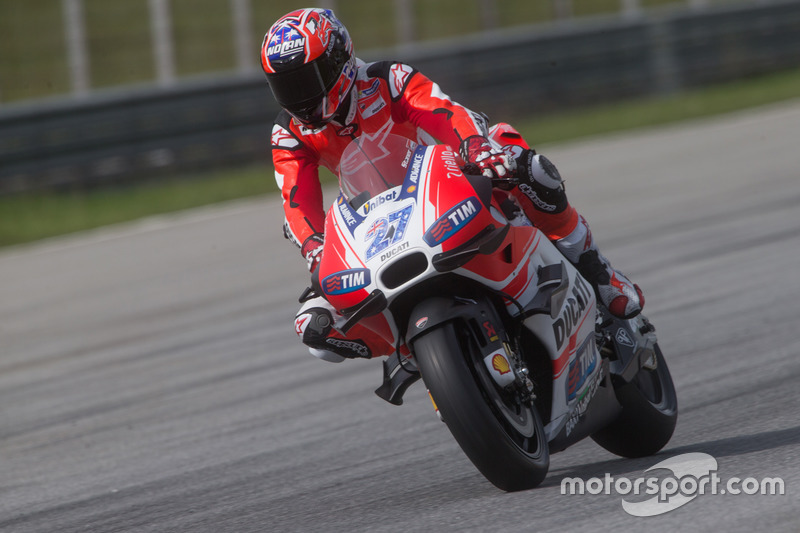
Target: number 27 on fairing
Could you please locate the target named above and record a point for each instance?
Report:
(387, 231)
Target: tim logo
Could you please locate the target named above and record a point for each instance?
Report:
(346, 281)
(452, 221)
(579, 370)
(285, 41)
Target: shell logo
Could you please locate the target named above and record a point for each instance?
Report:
(500, 364)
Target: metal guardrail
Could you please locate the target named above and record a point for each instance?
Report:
(223, 121)
(658, 52)
(133, 133)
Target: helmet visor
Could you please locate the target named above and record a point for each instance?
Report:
(301, 91)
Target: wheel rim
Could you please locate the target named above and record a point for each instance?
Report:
(517, 418)
(653, 385)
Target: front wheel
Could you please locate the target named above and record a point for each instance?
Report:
(502, 435)
(649, 413)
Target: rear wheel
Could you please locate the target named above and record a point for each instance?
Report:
(649, 413)
(501, 434)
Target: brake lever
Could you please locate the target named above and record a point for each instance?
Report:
(308, 294)
(505, 184)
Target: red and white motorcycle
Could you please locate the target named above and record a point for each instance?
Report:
(518, 358)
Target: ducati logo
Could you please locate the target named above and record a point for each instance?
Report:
(574, 309)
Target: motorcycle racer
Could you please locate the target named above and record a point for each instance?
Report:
(330, 97)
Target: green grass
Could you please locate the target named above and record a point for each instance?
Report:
(652, 111)
(31, 216)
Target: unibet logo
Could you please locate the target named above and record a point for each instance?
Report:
(380, 200)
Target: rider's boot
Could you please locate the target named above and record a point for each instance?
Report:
(541, 195)
(618, 294)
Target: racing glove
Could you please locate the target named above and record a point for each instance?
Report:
(312, 250)
(490, 162)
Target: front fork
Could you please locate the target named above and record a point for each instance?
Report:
(503, 364)
(509, 372)
(502, 361)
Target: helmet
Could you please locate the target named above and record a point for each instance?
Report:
(308, 58)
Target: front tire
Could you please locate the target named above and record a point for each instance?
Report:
(649, 413)
(502, 437)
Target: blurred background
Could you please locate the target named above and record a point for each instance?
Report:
(56, 47)
(100, 96)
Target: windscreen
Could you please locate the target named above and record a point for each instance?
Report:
(371, 165)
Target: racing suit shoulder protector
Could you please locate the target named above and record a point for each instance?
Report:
(283, 137)
(396, 74)
(420, 101)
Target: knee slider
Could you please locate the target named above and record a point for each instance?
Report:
(313, 326)
(540, 181)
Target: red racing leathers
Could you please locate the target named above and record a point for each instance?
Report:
(387, 95)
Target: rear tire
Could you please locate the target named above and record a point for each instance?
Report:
(649, 414)
(502, 437)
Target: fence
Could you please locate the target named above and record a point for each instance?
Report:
(198, 124)
(53, 47)
(405, 29)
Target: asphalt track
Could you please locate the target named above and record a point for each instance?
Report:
(150, 379)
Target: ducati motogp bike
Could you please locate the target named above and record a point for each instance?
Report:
(519, 358)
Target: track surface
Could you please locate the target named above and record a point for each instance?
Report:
(150, 379)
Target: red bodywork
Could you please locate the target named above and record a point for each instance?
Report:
(443, 187)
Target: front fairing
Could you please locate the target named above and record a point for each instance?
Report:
(426, 210)
(422, 206)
